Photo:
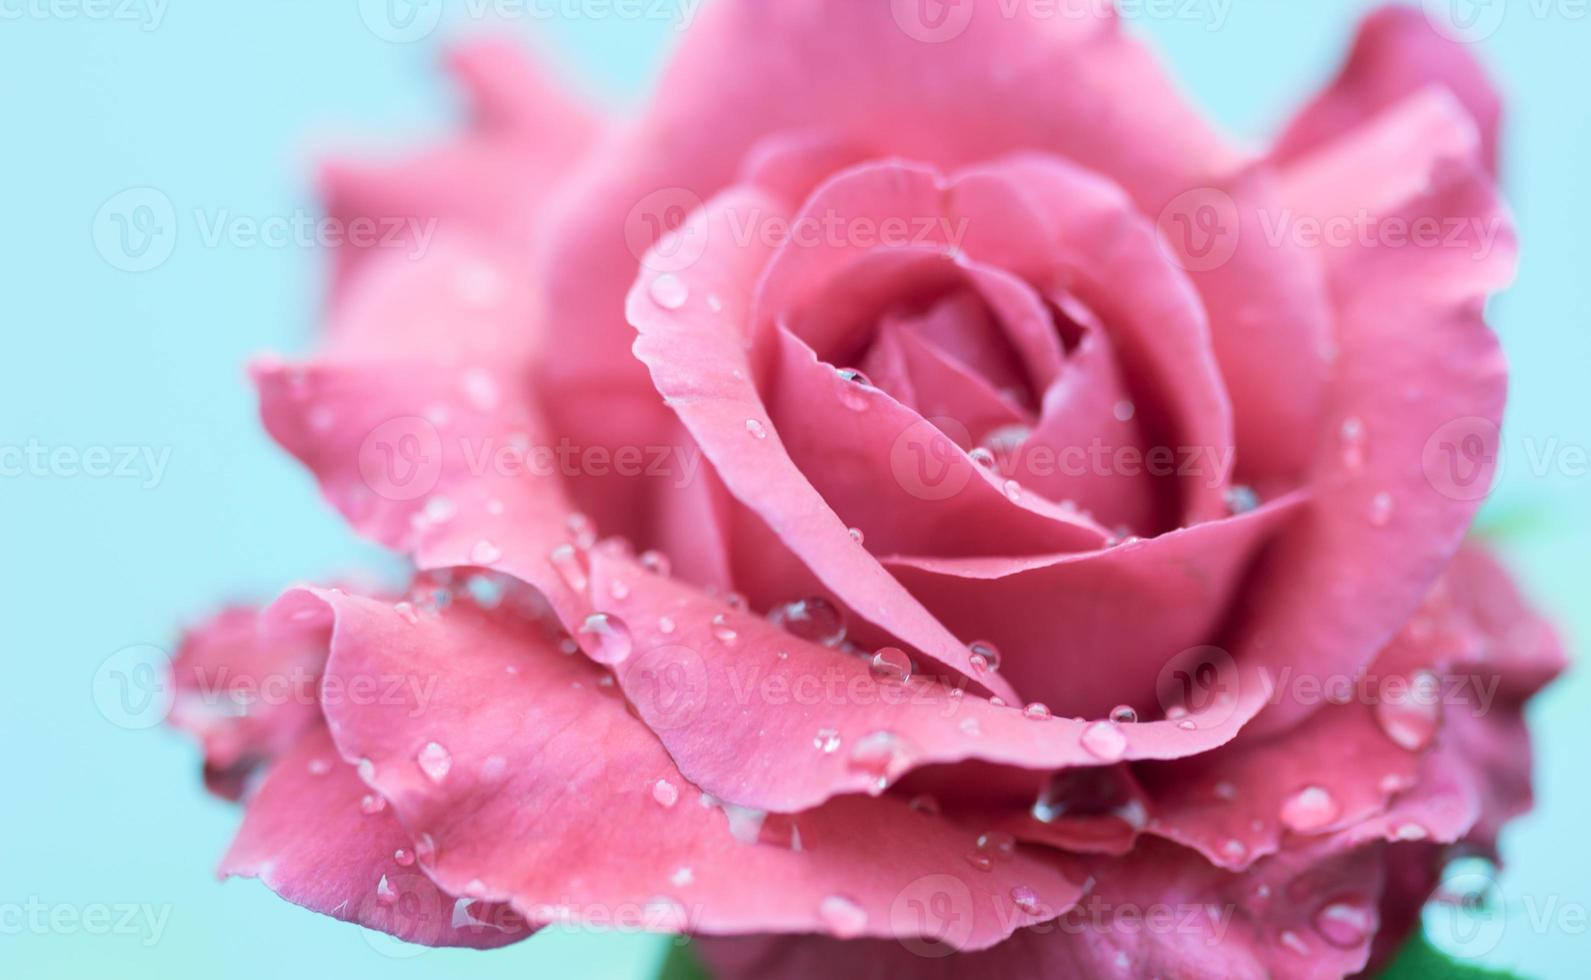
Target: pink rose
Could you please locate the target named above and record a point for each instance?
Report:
(917, 499)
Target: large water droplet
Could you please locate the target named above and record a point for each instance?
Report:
(1413, 716)
(669, 291)
(985, 655)
(1090, 792)
(892, 665)
(1104, 740)
(816, 619)
(843, 917)
(607, 639)
(1346, 922)
(857, 390)
(434, 761)
(881, 755)
(1309, 809)
(665, 793)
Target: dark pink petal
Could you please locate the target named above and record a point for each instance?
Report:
(320, 838)
(1396, 54)
(744, 73)
(523, 779)
(1412, 414)
(1161, 912)
(1072, 628)
(691, 339)
(763, 718)
(245, 697)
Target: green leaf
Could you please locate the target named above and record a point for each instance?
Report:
(681, 963)
(1419, 960)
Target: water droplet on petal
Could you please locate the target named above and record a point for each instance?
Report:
(485, 553)
(983, 457)
(665, 625)
(857, 535)
(669, 291)
(385, 893)
(1411, 832)
(1124, 411)
(723, 631)
(856, 392)
(892, 665)
(434, 761)
(371, 803)
(682, 877)
(756, 429)
(1381, 507)
(566, 560)
(1309, 809)
(1037, 711)
(404, 857)
(997, 844)
(1412, 718)
(1013, 491)
(665, 793)
(655, 562)
(581, 530)
(925, 803)
(1104, 740)
(1026, 899)
(816, 619)
(988, 651)
(1346, 923)
(1124, 714)
(425, 848)
(438, 510)
(844, 918)
(1091, 791)
(1242, 499)
(980, 860)
(609, 639)
(881, 755)
(1294, 942)
(827, 740)
(1234, 849)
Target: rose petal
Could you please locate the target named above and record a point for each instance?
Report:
(308, 836)
(1418, 370)
(530, 784)
(1396, 54)
(760, 717)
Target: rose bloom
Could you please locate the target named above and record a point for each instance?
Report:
(913, 500)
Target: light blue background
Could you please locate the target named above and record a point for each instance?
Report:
(223, 106)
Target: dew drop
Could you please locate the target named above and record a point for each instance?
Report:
(581, 531)
(1381, 507)
(1413, 718)
(669, 291)
(1026, 899)
(1124, 714)
(682, 877)
(723, 631)
(665, 793)
(980, 860)
(609, 641)
(665, 625)
(1242, 499)
(371, 803)
(854, 394)
(405, 611)
(1124, 411)
(891, 665)
(566, 560)
(983, 457)
(816, 619)
(1309, 809)
(439, 510)
(1013, 491)
(319, 767)
(857, 535)
(844, 918)
(1104, 740)
(881, 755)
(988, 652)
(1345, 923)
(434, 761)
(997, 844)
(425, 848)
(385, 893)
(1294, 942)
(485, 553)
(1037, 711)
(404, 857)
(655, 562)
(1234, 849)
(827, 740)
(756, 429)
